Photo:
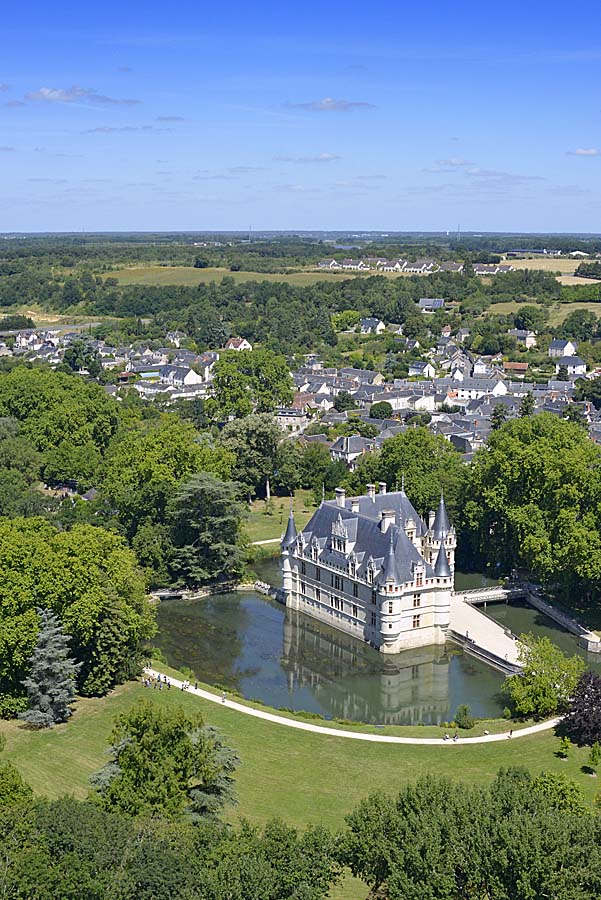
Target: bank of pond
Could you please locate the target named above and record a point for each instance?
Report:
(250, 644)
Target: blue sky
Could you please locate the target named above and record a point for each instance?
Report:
(148, 116)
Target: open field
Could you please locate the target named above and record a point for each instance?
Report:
(267, 521)
(189, 276)
(557, 313)
(576, 280)
(303, 777)
(547, 264)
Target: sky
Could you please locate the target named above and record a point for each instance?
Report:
(209, 116)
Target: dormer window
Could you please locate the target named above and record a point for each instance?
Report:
(352, 566)
(339, 535)
(419, 579)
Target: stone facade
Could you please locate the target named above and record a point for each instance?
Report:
(371, 567)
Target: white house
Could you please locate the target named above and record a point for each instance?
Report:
(573, 364)
(372, 326)
(179, 376)
(238, 343)
(422, 369)
(522, 336)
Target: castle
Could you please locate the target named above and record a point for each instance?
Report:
(371, 567)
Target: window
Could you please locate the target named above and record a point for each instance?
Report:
(419, 579)
(390, 626)
(390, 606)
(373, 618)
(337, 582)
(352, 567)
(317, 594)
(317, 573)
(370, 576)
(417, 600)
(303, 568)
(337, 603)
(374, 597)
(415, 672)
(355, 590)
(314, 552)
(303, 587)
(416, 620)
(355, 613)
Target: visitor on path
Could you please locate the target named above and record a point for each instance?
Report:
(510, 733)
(168, 684)
(223, 697)
(195, 685)
(446, 736)
(455, 737)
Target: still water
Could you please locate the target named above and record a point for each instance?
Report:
(246, 642)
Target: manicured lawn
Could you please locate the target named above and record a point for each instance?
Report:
(267, 521)
(302, 777)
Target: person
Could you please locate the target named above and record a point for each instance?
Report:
(195, 685)
(446, 737)
(486, 731)
(455, 737)
(168, 684)
(510, 733)
(223, 697)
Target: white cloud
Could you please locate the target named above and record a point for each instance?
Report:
(76, 94)
(454, 162)
(319, 158)
(585, 151)
(329, 104)
(7, 149)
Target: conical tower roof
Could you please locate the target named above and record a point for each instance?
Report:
(291, 532)
(441, 524)
(441, 567)
(390, 570)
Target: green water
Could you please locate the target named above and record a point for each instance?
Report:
(251, 644)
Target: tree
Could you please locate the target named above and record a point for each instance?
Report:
(13, 789)
(52, 672)
(548, 679)
(253, 443)
(527, 406)
(589, 390)
(560, 793)
(580, 325)
(79, 355)
(165, 762)
(463, 716)
(582, 721)
(594, 758)
(344, 401)
(565, 746)
(498, 416)
(205, 518)
(90, 579)
(251, 381)
(530, 501)
(428, 462)
(144, 468)
(574, 413)
(381, 410)
(531, 318)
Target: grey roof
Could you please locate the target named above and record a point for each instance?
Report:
(441, 566)
(558, 344)
(290, 535)
(431, 303)
(441, 525)
(570, 361)
(371, 544)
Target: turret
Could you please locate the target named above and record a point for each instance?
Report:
(442, 568)
(441, 525)
(291, 532)
(390, 572)
(287, 545)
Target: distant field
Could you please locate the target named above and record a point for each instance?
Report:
(190, 276)
(556, 264)
(559, 313)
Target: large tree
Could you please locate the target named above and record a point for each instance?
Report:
(249, 381)
(86, 576)
(582, 721)
(50, 683)
(533, 499)
(254, 442)
(205, 519)
(164, 761)
(547, 681)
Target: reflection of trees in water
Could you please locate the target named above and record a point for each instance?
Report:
(206, 636)
(352, 680)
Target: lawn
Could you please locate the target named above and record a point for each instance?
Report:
(267, 521)
(303, 777)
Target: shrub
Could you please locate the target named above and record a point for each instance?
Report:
(463, 716)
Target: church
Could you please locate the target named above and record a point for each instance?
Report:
(371, 567)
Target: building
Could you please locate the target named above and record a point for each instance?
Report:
(573, 364)
(430, 304)
(421, 370)
(522, 336)
(369, 566)
(558, 348)
(238, 343)
(350, 449)
(372, 326)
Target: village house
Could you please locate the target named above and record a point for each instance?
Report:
(573, 364)
(430, 304)
(372, 326)
(238, 343)
(522, 336)
(350, 449)
(559, 348)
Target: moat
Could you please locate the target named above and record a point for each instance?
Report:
(245, 642)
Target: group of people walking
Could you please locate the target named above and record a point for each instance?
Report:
(156, 683)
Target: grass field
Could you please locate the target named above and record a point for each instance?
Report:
(557, 313)
(303, 777)
(267, 521)
(189, 276)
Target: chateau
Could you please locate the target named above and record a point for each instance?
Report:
(371, 567)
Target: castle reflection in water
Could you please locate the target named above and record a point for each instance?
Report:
(351, 681)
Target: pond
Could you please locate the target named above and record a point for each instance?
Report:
(248, 643)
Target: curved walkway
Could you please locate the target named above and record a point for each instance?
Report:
(357, 736)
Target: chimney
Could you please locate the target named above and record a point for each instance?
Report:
(387, 518)
(340, 497)
(371, 491)
(355, 504)
(382, 486)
